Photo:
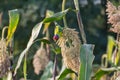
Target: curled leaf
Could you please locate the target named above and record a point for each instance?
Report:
(34, 35)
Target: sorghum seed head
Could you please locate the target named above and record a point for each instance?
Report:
(113, 17)
(40, 60)
(4, 59)
(70, 48)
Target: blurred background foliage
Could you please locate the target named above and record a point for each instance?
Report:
(33, 11)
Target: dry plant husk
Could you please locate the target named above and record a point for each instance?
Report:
(40, 60)
(70, 48)
(113, 13)
(4, 59)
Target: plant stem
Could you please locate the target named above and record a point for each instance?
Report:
(10, 50)
(3, 31)
(55, 67)
(47, 45)
(25, 67)
(63, 8)
(80, 24)
(81, 27)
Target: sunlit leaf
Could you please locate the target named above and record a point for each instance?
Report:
(48, 14)
(110, 46)
(100, 73)
(86, 58)
(13, 22)
(117, 58)
(56, 16)
(35, 32)
(48, 71)
(65, 73)
(103, 71)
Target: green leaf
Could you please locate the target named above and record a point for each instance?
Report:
(57, 50)
(35, 32)
(43, 40)
(48, 71)
(25, 68)
(117, 57)
(56, 16)
(65, 73)
(102, 71)
(86, 58)
(99, 74)
(13, 22)
(48, 14)
(110, 46)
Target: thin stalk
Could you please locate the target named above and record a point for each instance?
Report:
(64, 18)
(47, 45)
(80, 24)
(25, 67)
(81, 27)
(3, 32)
(11, 53)
(55, 67)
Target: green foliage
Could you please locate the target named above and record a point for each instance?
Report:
(101, 73)
(25, 68)
(30, 16)
(43, 40)
(34, 35)
(56, 16)
(14, 18)
(86, 58)
(48, 14)
(117, 57)
(64, 74)
(111, 44)
(47, 72)
(112, 57)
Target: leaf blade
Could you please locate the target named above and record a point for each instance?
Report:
(34, 35)
(13, 22)
(86, 58)
(25, 68)
(48, 71)
(110, 46)
(56, 16)
(65, 73)
(103, 71)
(46, 26)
